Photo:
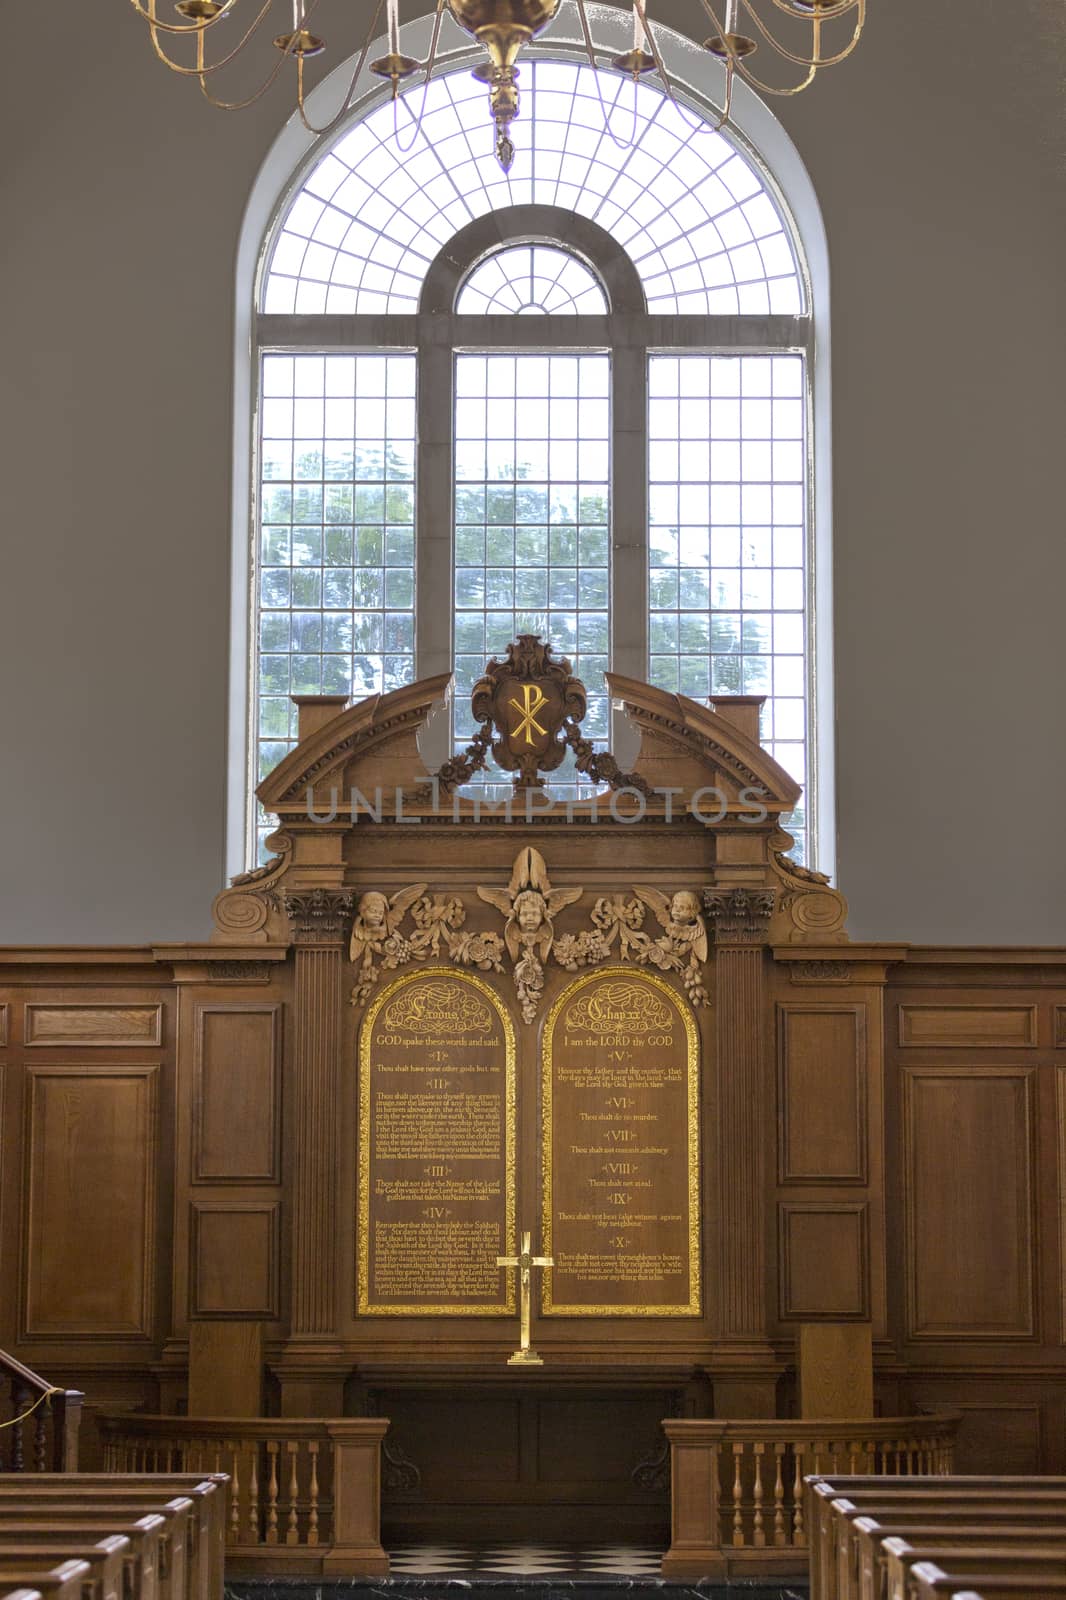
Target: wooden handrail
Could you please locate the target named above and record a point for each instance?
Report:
(304, 1492)
(737, 1485)
(52, 1449)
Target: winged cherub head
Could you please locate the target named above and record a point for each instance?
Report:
(530, 904)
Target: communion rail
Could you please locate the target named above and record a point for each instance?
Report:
(737, 1487)
(38, 1422)
(304, 1493)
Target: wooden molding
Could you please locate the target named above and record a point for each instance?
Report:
(89, 1263)
(968, 1027)
(827, 1240)
(250, 1089)
(94, 1023)
(822, 1095)
(968, 1197)
(233, 1259)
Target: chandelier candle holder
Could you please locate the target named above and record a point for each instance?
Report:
(793, 33)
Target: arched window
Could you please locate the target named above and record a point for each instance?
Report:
(572, 400)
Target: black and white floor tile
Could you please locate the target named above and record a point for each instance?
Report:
(526, 1560)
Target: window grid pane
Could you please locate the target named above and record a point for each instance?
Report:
(532, 535)
(691, 210)
(525, 279)
(727, 540)
(335, 599)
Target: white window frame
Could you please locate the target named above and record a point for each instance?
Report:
(767, 145)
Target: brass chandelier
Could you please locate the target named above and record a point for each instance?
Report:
(805, 36)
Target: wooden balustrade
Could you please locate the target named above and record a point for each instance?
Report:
(304, 1493)
(38, 1422)
(737, 1486)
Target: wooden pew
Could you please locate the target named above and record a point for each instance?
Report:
(144, 1536)
(177, 1579)
(929, 1581)
(105, 1559)
(873, 1536)
(844, 1560)
(834, 1502)
(207, 1490)
(63, 1580)
(987, 1558)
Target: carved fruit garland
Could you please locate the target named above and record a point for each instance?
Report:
(529, 906)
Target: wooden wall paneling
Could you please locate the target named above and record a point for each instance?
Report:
(968, 1201)
(3, 1024)
(228, 1140)
(822, 1093)
(93, 1022)
(1059, 1027)
(89, 1259)
(823, 1260)
(234, 1267)
(967, 1026)
(236, 1093)
(1060, 1175)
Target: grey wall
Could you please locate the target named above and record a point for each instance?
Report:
(938, 156)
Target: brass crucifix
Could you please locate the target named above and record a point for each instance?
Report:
(524, 1356)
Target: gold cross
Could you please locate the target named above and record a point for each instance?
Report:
(524, 1356)
(533, 699)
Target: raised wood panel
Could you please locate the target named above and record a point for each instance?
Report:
(976, 1027)
(89, 1262)
(1060, 1027)
(234, 1266)
(999, 1439)
(3, 1025)
(968, 1199)
(95, 1023)
(236, 1096)
(822, 1094)
(1060, 1146)
(824, 1260)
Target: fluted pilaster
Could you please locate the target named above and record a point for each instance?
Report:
(319, 918)
(740, 918)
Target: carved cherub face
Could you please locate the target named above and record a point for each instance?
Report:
(372, 909)
(529, 910)
(685, 906)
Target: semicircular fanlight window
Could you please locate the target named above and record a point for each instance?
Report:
(526, 279)
(692, 211)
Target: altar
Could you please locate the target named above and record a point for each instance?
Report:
(525, 1104)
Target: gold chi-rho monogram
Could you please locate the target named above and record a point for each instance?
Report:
(533, 700)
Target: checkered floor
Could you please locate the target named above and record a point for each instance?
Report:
(521, 1560)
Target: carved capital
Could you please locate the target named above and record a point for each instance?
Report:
(318, 916)
(739, 916)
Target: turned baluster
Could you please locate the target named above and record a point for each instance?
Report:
(234, 1532)
(779, 1495)
(758, 1531)
(253, 1495)
(312, 1514)
(272, 1493)
(40, 1438)
(20, 1399)
(799, 1536)
(292, 1531)
(738, 1519)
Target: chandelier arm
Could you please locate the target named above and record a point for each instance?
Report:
(431, 61)
(149, 15)
(345, 105)
(811, 64)
(840, 9)
(619, 144)
(201, 70)
(240, 105)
